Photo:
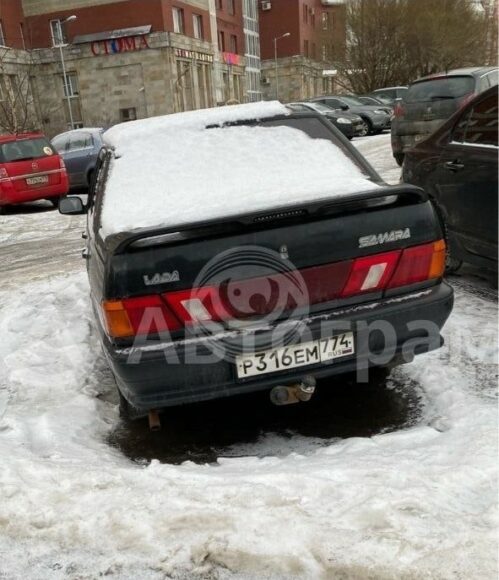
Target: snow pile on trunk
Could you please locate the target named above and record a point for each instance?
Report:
(416, 503)
(172, 170)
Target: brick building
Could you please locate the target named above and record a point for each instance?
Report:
(316, 32)
(124, 59)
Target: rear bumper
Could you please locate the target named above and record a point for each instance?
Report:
(8, 195)
(161, 375)
(347, 130)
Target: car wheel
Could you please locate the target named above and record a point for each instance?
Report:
(364, 130)
(90, 176)
(399, 158)
(452, 265)
(370, 128)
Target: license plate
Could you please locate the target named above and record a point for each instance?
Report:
(37, 180)
(298, 355)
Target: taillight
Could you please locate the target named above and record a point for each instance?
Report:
(419, 264)
(3, 173)
(371, 273)
(253, 297)
(62, 165)
(138, 316)
(399, 110)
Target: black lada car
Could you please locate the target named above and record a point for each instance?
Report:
(250, 248)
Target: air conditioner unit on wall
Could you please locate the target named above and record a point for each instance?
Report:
(265, 81)
(266, 5)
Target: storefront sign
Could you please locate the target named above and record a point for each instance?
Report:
(231, 58)
(192, 54)
(118, 45)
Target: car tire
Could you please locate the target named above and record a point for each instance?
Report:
(399, 158)
(90, 176)
(370, 128)
(452, 265)
(365, 129)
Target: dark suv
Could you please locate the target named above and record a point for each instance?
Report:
(431, 100)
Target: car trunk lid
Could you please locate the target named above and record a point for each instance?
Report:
(329, 247)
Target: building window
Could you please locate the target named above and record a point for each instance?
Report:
(233, 43)
(129, 114)
(305, 48)
(178, 20)
(314, 55)
(70, 85)
(231, 7)
(221, 41)
(72, 99)
(220, 5)
(197, 23)
(2, 37)
(58, 33)
(325, 21)
(305, 13)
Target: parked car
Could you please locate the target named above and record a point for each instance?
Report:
(248, 248)
(431, 100)
(350, 124)
(368, 100)
(79, 149)
(30, 169)
(457, 166)
(376, 117)
(389, 95)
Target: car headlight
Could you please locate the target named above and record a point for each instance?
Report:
(343, 121)
(380, 112)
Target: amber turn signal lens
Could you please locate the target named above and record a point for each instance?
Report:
(437, 267)
(116, 319)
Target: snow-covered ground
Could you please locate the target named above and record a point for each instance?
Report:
(417, 502)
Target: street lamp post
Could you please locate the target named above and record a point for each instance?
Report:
(276, 64)
(63, 65)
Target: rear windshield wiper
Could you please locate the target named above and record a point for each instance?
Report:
(442, 97)
(22, 159)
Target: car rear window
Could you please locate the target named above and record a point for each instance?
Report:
(442, 88)
(25, 149)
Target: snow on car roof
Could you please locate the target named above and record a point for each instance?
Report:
(171, 171)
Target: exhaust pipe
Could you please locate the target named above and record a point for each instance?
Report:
(154, 421)
(290, 394)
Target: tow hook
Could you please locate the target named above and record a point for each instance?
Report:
(154, 421)
(289, 394)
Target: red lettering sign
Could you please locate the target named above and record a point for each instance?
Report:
(119, 45)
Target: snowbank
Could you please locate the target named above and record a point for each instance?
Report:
(171, 170)
(416, 503)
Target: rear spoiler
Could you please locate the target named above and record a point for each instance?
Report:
(146, 237)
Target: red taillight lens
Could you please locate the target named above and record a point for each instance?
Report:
(243, 299)
(138, 316)
(420, 263)
(399, 110)
(371, 273)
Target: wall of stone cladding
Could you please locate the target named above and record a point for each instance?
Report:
(145, 80)
(299, 79)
